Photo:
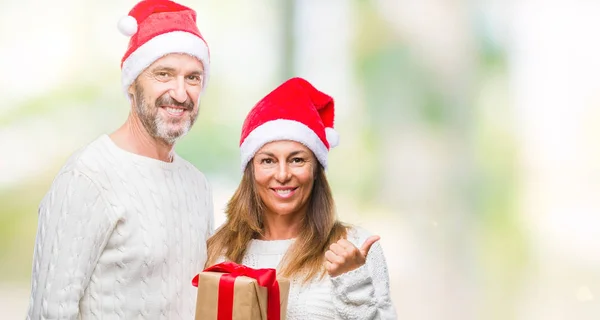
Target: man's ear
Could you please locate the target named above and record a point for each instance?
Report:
(130, 90)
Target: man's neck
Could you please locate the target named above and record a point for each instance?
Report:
(133, 137)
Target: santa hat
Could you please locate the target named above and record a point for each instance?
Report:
(157, 28)
(293, 111)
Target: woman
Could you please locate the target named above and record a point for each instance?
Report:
(282, 214)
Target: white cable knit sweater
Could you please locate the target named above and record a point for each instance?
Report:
(361, 294)
(120, 236)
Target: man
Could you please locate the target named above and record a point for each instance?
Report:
(122, 230)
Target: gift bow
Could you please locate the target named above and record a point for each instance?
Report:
(264, 277)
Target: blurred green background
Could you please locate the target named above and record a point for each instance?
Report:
(468, 131)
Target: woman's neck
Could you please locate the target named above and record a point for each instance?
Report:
(278, 227)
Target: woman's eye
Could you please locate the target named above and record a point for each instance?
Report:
(266, 161)
(297, 160)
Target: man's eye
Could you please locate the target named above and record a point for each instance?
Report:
(194, 79)
(162, 75)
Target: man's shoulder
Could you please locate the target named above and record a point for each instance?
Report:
(81, 167)
(90, 159)
(191, 168)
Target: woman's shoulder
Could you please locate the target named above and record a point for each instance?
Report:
(357, 234)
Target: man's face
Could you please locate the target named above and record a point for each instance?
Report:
(167, 95)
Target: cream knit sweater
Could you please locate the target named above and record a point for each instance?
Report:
(361, 294)
(120, 236)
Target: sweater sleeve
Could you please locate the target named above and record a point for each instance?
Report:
(364, 293)
(210, 230)
(75, 222)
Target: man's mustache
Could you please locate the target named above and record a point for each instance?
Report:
(168, 101)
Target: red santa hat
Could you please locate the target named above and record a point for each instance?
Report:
(293, 111)
(157, 28)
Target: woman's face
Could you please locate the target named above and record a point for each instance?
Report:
(284, 175)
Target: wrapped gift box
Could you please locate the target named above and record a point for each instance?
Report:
(229, 291)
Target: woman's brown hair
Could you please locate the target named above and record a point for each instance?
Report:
(305, 259)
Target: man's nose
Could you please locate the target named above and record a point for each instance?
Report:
(179, 92)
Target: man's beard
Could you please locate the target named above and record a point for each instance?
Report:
(159, 127)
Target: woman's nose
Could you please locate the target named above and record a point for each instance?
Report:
(283, 172)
